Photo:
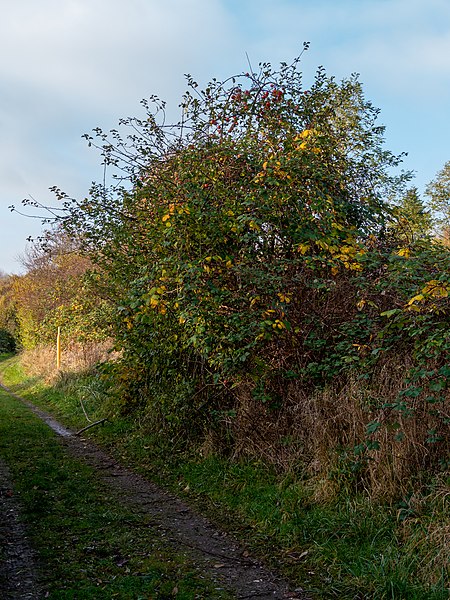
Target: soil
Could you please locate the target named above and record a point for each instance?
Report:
(215, 552)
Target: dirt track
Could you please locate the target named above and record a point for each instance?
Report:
(18, 579)
(212, 550)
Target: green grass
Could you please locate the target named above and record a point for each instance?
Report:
(89, 545)
(349, 548)
(345, 549)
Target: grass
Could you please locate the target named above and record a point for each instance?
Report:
(88, 544)
(346, 548)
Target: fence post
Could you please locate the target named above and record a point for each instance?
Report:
(58, 349)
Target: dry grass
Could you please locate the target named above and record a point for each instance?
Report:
(76, 358)
(322, 433)
(326, 433)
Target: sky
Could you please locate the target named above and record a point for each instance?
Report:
(68, 66)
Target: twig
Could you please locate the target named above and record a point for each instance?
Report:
(91, 425)
(84, 410)
(238, 559)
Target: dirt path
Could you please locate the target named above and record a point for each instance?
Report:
(214, 551)
(17, 564)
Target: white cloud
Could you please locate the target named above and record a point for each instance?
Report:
(102, 50)
(395, 44)
(69, 65)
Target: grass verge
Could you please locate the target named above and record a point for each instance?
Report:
(348, 548)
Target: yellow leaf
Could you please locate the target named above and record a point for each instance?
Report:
(165, 217)
(322, 244)
(406, 252)
(436, 289)
(417, 298)
(414, 308)
(354, 266)
(360, 305)
(284, 298)
(303, 248)
(337, 226)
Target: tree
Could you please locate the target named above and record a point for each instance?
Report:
(244, 252)
(8, 314)
(413, 220)
(438, 190)
(54, 292)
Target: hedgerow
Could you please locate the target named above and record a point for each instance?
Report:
(249, 254)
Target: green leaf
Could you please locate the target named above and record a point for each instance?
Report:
(390, 313)
(373, 427)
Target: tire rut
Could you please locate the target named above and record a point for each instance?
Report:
(18, 573)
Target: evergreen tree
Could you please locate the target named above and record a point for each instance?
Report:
(438, 190)
(413, 220)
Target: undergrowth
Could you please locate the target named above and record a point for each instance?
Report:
(327, 536)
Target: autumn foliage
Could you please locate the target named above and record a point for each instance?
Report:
(258, 289)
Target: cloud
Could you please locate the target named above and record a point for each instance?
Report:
(97, 51)
(67, 66)
(395, 44)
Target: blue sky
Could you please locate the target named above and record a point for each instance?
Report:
(67, 66)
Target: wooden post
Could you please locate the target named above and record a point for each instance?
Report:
(58, 349)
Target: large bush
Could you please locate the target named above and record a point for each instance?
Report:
(255, 200)
(250, 258)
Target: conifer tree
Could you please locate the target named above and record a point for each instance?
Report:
(438, 191)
